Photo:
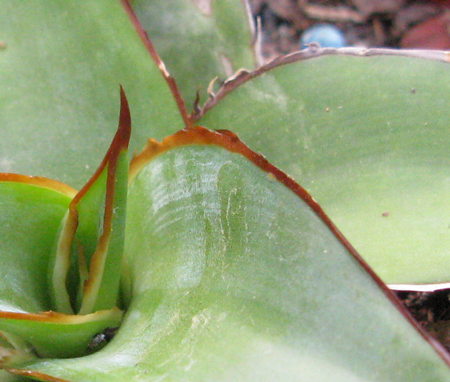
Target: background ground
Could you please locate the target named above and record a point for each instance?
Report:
(365, 23)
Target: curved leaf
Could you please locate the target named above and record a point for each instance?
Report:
(368, 137)
(231, 268)
(31, 211)
(88, 254)
(53, 334)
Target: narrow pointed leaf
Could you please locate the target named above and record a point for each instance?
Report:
(233, 265)
(101, 290)
(367, 134)
(92, 235)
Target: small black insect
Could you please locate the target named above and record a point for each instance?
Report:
(101, 339)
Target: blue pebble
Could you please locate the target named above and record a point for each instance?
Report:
(327, 35)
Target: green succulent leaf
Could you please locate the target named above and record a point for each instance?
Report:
(31, 212)
(56, 335)
(89, 249)
(366, 133)
(227, 261)
(101, 289)
(93, 226)
(234, 265)
(61, 65)
(32, 209)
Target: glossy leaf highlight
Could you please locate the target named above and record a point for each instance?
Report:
(230, 268)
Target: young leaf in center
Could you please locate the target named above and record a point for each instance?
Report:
(84, 273)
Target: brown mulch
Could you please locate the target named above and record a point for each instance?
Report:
(403, 24)
(365, 23)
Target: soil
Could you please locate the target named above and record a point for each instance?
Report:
(403, 24)
(365, 23)
(431, 310)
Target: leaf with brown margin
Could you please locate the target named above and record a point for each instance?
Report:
(231, 268)
(230, 141)
(96, 211)
(243, 76)
(35, 375)
(367, 137)
(56, 335)
(39, 181)
(31, 211)
(200, 40)
(160, 63)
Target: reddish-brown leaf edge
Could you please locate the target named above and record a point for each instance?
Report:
(230, 141)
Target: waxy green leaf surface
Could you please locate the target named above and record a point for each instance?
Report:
(83, 265)
(369, 138)
(55, 335)
(231, 268)
(88, 256)
(225, 265)
(61, 67)
(32, 210)
(365, 135)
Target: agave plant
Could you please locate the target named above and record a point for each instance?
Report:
(193, 256)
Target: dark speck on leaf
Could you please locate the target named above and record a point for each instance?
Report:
(101, 339)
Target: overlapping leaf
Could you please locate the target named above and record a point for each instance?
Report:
(88, 255)
(32, 209)
(84, 271)
(232, 268)
(225, 265)
(199, 40)
(368, 137)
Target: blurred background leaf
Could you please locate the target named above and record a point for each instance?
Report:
(199, 40)
(59, 89)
